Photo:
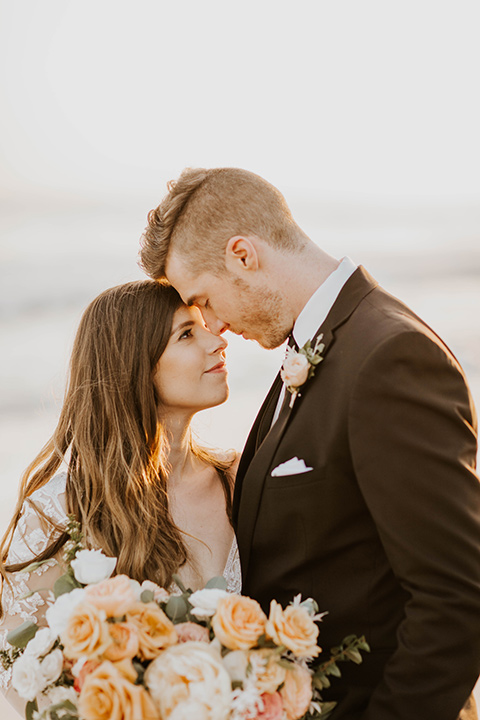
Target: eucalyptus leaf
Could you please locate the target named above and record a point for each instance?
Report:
(22, 634)
(217, 583)
(176, 608)
(31, 707)
(65, 584)
(147, 596)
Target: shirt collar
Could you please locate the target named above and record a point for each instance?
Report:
(317, 308)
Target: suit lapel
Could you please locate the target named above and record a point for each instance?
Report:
(254, 468)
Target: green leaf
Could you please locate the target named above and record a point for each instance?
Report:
(31, 707)
(334, 670)
(176, 579)
(64, 710)
(22, 634)
(176, 609)
(65, 584)
(354, 656)
(217, 583)
(147, 596)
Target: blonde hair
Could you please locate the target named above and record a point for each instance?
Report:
(117, 448)
(203, 209)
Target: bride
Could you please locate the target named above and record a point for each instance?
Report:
(142, 365)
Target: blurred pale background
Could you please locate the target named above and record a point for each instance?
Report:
(365, 115)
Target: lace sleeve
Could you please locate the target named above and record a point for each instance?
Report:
(31, 537)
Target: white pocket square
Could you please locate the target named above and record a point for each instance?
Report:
(294, 466)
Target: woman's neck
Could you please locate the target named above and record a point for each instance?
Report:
(180, 456)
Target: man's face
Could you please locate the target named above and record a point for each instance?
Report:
(230, 303)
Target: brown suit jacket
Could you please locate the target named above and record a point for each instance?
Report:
(384, 531)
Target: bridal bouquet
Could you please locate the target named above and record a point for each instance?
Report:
(117, 650)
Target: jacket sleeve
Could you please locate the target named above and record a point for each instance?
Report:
(413, 441)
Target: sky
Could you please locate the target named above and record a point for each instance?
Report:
(373, 100)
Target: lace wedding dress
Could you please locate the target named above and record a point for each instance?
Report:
(28, 595)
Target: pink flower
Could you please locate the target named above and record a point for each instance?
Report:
(191, 631)
(272, 707)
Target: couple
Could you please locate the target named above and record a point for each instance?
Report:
(356, 486)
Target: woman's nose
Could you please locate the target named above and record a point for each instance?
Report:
(217, 344)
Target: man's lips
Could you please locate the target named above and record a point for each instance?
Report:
(219, 367)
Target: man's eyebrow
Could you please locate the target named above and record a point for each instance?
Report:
(187, 323)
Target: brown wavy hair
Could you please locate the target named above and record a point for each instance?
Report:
(204, 208)
(112, 440)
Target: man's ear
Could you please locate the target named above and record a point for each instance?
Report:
(241, 254)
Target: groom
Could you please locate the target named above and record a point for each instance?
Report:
(357, 485)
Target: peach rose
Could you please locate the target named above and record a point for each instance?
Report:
(115, 595)
(189, 682)
(125, 641)
(86, 633)
(126, 669)
(191, 631)
(295, 369)
(272, 707)
(294, 628)
(106, 695)
(238, 622)
(296, 692)
(270, 675)
(155, 630)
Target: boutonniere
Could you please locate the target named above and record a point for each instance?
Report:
(299, 366)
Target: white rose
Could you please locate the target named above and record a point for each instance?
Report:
(43, 641)
(92, 566)
(58, 693)
(295, 369)
(51, 666)
(27, 678)
(59, 613)
(236, 663)
(205, 601)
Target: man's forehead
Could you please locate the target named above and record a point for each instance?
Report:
(188, 285)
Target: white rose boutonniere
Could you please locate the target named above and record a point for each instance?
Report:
(299, 366)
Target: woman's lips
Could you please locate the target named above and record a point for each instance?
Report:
(218, 368)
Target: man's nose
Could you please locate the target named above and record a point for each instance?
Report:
(213, 323)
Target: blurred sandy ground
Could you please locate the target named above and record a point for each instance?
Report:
(54, 259)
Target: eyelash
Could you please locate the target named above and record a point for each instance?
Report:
(207, 304)
(186, 334)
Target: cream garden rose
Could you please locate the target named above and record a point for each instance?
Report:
(27, 678)
(238, 622)
(294, 628)
(296, 367)
(189, 681)
(269, 673)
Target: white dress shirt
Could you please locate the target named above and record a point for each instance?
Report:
(316, 310)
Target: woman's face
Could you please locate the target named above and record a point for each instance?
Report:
(191, 374)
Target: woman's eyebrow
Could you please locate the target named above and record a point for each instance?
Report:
(187, 323)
